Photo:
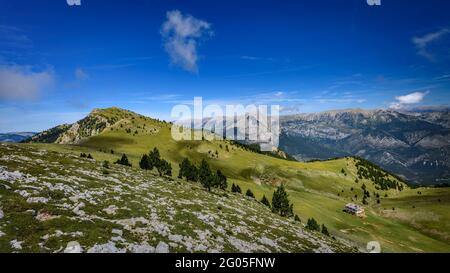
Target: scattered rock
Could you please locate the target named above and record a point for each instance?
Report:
(37, 200)
(16, 244)
(109, 247)
(162, 248)
(117, 231)
(111, 210)
(73, 247)
(77, 210)
(142, 248)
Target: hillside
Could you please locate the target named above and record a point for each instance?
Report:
(49, 199)
(418, 223)
(414, 145)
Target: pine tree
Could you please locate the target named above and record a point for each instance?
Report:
(312, 225)
(204, 175)
(238, 189)
(364, 200)
(296, 218)
(192, 173)
(123, 161)
(325, 230)
(184, 168)
(265, 201)
(250, 194)
(144, 163)
(280, 202)
(154, 158)
(90, 156)
(221, 180)
(164, 168)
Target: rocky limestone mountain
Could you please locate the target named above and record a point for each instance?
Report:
(415, 145)
(93, 124)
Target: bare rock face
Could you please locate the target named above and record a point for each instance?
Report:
(92, 125)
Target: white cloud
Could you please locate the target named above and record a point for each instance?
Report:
(81, 75)
(403, 101)
(181, 34)
(21, 82)
(423, 42)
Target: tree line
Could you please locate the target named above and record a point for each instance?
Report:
(202, 174)
(153, 160)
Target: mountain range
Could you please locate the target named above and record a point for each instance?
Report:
(399, 217)
(15, 136)
(414, 145)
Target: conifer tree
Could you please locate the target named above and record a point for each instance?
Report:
(185, 165)
(144, 163)
(123, 161)
(221, 180)
(204, 175)
(154, 158)
(312, 225)
(250, 194)
(265, 201)
(325, 230)
(280, 202)
(238, 189)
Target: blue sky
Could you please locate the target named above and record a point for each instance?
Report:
(57, 62)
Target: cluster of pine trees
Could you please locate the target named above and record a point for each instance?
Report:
(280, 201)
(378, 176)
(236, 188)
(154, 160)
(366, 194)
(314, 226)
(86, 156)
(202, 174)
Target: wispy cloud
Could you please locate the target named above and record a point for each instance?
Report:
(14, 37)
(407, 100)
(22, 82)
(254, 58)
(121, 63)
(81, 75)
(422, 43)
(181, 34)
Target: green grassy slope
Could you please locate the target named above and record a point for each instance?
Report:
(317, 189)
(48, 199)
